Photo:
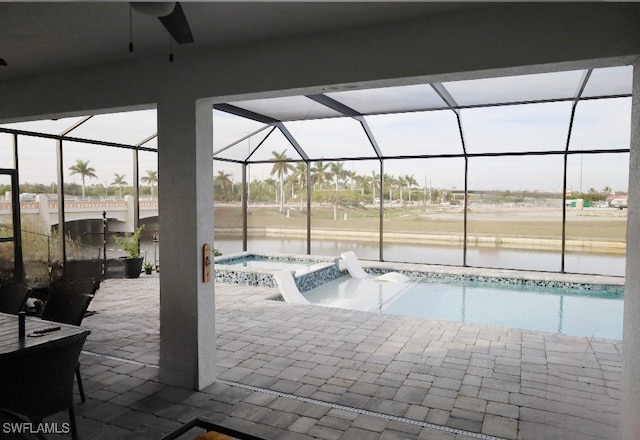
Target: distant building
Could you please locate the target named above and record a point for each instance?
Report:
(617, 201)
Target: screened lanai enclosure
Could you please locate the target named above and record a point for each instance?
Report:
(79, 182)
(517, 172)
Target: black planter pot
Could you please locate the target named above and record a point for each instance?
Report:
(132, 267)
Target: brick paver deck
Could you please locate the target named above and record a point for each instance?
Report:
(289, 371)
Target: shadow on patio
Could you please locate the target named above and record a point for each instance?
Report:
(288, 371)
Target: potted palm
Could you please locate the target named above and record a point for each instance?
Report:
(130, 243)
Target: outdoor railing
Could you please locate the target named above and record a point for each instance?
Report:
(41, 255)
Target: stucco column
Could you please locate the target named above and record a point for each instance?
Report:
(185, 179)
(630, 405)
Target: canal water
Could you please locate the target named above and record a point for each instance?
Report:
(595, 263)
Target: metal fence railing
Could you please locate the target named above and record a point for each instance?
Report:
(40, 254)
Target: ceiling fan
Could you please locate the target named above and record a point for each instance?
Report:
(170, 15)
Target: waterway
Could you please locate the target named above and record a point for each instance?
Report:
(592, 263)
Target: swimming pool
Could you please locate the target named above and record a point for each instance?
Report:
(255, 269)
(596, 313)
(271, 261)
(268, 263)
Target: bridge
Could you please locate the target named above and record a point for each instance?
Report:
(119, 212)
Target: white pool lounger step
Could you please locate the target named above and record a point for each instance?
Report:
(288, 288)
(356, 271)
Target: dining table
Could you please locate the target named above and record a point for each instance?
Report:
(37, 332)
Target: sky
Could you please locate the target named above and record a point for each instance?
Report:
(598, 124)
(544, 127)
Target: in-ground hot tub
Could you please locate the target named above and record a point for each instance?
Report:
(257, 269)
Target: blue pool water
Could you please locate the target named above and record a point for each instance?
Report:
(566, 311)
(261, 262)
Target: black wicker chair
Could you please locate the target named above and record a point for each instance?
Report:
(13, 297)
(79, 277)
(68, 309)
(37, 382)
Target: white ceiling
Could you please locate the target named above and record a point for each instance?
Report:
(42, 37)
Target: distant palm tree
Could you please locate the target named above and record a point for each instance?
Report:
(401, 184)
(119, 182)
(374, 181)
(351, 176)
(84, 170)
(281, 168)
(390, 182)
(223, 180)
(222, 183)
(338, 172)
(319, 173)
(411, 182)
(360, 180)
(152, 179)
(270, 184)
(300, 174)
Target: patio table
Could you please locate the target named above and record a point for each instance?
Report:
(10, 342)
(202, 424)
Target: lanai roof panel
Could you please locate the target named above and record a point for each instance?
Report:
(610, 81)
(390, 99)
(132, 127)
(6, 150)
(335, 138)
(48, 126)
(290, 108)
(511, 89)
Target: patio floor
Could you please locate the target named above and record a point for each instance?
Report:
(288, 371)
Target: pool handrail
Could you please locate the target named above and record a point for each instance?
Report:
(288, 288)
(356, 271)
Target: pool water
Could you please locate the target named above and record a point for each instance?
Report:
(258, 262)
(273, 264)
(566, 311)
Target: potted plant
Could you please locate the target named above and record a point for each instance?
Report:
(148, 267)
(130, 243)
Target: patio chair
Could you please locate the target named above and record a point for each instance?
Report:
(68, 309)
(356, 271)
(70, 290)
(79, 276)
(37, 382)
(288, 288)
(13, 297)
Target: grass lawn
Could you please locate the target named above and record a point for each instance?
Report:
(599, 225)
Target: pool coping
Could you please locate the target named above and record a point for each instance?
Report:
(323, 268)
(331, 267)
(500, 276)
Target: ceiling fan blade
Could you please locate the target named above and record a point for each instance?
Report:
(2, 62)
(177, 25)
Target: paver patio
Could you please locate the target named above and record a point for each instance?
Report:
(289, 371)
